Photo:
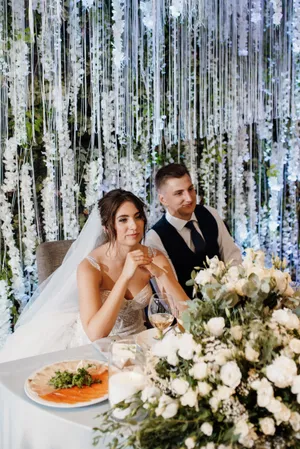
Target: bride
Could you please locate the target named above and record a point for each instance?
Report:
(112, 287)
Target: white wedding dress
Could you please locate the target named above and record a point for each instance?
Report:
(51, 321)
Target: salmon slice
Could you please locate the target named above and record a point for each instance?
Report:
(75, 394)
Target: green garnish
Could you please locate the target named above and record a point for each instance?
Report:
(65, 379)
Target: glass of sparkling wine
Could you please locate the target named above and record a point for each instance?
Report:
(160, 312)
(126, 375)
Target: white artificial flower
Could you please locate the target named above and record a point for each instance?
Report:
(150, 394)
(236, 333)
(199, 371)
(281, 280)
(222, 355)
(204, 388)
(286, 318)
(207, 429)
(210, 446)
(250, 353)
(186, 346)
(282, 371)
(267, 426)
(167, 407)
(223, 393)
(295, 345)
(241, 428)
(274, 406)
(231, 374)
(296, 385)
(180, 386)
(216, 326)
(265, 393)
(239, 285)
(189, 398)
(233, 273)
(204, 277)
(167, 347)
(295, 421)
(283, 415)
(190, 443)
(214, 403)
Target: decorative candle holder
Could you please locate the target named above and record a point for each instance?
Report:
(126, 374)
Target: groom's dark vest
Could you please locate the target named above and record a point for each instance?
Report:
(182, 257)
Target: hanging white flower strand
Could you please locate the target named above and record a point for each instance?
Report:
(14, 262)
(29, 238)
(5, 306)
(49, 193)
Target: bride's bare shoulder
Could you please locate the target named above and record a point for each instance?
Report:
(93, 261)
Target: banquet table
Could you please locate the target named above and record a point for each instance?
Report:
(25, 424)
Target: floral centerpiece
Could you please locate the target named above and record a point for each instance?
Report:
(232, 380)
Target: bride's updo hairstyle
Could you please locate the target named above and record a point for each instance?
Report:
(110, 203)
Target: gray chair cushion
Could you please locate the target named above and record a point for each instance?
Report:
(49, 256)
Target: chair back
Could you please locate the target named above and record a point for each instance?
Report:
(49, 256)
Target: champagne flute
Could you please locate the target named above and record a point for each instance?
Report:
(160, 312)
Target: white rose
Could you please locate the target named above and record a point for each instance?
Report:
(167, 407)
(210, 446)
(170, 410)
(267, 426)
(231, 374)
(282, 371)
(236, 332)
(295, 345)
(286, 318)
(214, 403)
(189, 398)
(216, 326)
(204, 277)
(295, 421)
(265, 392)
(207, 429)
(180, 386)
(241, 428)
(222, 355)
(296, 385)
(204, 388)
(172, 359)
(190, 443)
(150, 394)
(283, 415)
(187, 346)
(274, 406)
(222, 392)
(199, 371)
(250, 354)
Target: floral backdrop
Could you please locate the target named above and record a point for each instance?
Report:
(97, 94)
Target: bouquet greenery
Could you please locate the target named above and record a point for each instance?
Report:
(232, 380)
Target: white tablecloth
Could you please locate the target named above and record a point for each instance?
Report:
(27, 425)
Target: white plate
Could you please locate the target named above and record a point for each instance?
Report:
(146, 338)
(42, 376)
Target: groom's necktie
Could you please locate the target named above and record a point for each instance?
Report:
(197, 239)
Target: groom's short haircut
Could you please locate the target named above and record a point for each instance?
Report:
(168, 172)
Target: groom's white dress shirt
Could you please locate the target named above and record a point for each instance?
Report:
(228, 249)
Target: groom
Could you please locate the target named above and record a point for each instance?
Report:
(188, 232)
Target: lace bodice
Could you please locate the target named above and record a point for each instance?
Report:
(131, 318)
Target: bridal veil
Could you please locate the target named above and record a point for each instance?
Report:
(50, 321)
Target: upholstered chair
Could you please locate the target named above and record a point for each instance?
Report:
(49, 256)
